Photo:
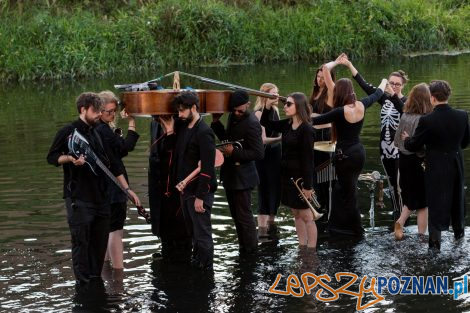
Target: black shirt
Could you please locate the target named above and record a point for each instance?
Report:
(80, 183)
(297, 146)
(118, 147)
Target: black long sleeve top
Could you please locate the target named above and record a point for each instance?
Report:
(119, 147)
(444, 129)
(239, 170)
(247, 129)
(398, 103)
(297, 146)
(390, 112)
(347, 133)
(80, 183)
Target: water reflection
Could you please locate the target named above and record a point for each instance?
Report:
(35, 265)
(180, 288)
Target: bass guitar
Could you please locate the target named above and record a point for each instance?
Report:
(78, 145)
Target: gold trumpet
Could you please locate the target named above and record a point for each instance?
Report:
(299, 184)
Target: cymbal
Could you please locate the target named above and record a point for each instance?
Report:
(324, 146)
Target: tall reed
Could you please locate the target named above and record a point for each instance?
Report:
(61, 39)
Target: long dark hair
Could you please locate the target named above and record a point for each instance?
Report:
(343, 94)
(302, 107)
(323, 98)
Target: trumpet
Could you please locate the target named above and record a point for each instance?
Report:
(298, 184)
(236, 144)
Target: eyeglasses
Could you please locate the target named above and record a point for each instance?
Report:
(109, 111)
(394, 84)
(288, 103)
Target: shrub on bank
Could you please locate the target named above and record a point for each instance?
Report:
(62, 39)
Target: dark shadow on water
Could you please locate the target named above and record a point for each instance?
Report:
(104, 294)
(91, 297)
(181, 288)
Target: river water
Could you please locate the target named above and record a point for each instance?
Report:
(35, 258)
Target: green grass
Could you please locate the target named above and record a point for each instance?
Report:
(61, 39)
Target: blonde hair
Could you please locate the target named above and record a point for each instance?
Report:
(261, 101)
(106, 97)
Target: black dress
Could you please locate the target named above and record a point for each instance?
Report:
(345, 216)
(297, 158)
(269, 172)
(413, 193)
(322, 160)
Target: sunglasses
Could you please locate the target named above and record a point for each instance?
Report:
(288, 103)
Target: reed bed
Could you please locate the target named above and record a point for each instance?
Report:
(80, 39)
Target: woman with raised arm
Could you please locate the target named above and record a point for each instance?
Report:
(121, 146)
(321, 101)
(410, 163)
(297, 162)
(269, 168)
(347, 117)
(392, 102)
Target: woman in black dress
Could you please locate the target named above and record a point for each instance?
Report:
(321, 101)
(269, 168)
(347, 118)
(297, 162)
(391, 102)
(410, 163)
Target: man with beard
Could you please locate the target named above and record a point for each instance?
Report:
(195, 142)
(85, 195)
(238, 173)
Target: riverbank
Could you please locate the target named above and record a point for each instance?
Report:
(65, 40)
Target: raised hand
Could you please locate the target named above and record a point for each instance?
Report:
(341, 58)
(216, 117)
(389, 90)
(167, 122)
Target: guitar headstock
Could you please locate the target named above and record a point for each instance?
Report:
(141, 211)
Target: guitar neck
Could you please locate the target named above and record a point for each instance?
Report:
(111, 176)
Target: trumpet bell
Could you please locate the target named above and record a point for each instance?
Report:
(316, 215)
(311, 203)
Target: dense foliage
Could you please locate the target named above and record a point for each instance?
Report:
(68, 39)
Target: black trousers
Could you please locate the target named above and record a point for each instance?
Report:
(89, 230)
(345, 216)
(391, 166)
(200, 227)
(239, 202)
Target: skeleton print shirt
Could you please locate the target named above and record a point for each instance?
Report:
(392, 107)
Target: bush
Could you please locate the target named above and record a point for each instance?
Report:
(61, 39)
